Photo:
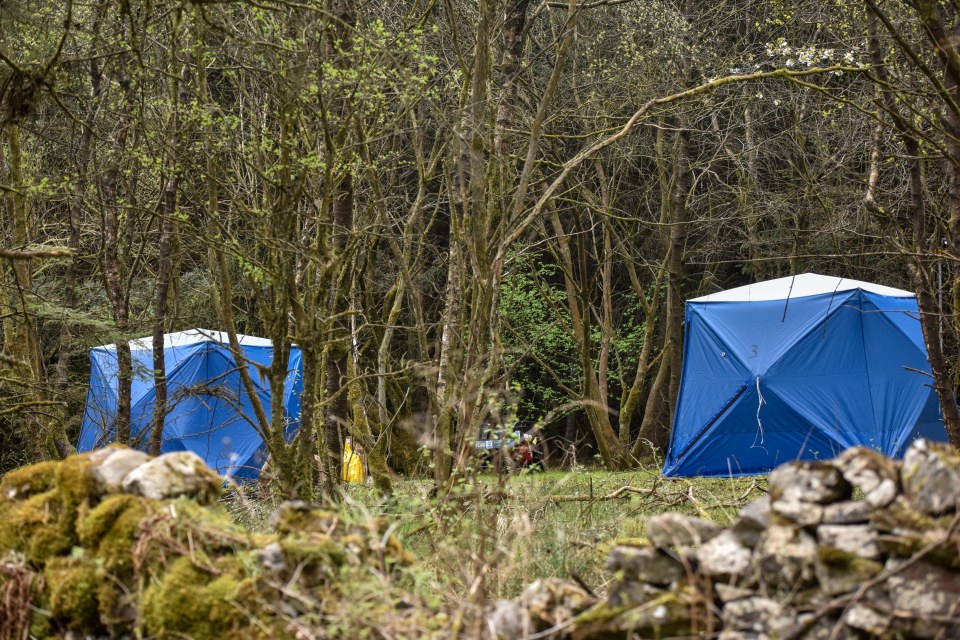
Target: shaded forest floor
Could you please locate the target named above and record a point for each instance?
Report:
(532, 525)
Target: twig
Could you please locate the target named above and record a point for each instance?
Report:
(619, 493)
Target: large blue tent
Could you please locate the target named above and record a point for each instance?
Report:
(208, 409)
(800, 367)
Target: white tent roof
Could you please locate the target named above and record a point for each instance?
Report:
(194, 336)
(804, 284)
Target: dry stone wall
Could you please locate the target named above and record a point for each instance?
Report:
(118, 544)
(861, 546)
(115, 544)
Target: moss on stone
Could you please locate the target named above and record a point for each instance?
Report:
(27, 481)
(601, 613)
(32, 514)
(75, 482)
(840, 571)
(72, 584)
(210, 484)
(662, 616)
(839, 560)
(314, 551)
(120, 565)
(191, 602)
(901, 515)
(116, 606)
(211, 516)
(37, 527)
(294, 519)
(640, 543)
(41, 626)
(208, 528)
(110, 530)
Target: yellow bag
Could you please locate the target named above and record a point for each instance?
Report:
(352, 465)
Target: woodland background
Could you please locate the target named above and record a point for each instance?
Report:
(464, 212)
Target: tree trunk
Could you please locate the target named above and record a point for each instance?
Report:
(178, 95)
(592, 400)
(25, 342)
(338, 354)
(514, 27)
(113, 276)
(919, 261)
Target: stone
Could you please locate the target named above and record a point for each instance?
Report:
(931, 477)
(752, 521)
(793, 564)
(798, 512)
(272, 558)
(180, 473)
(630, 592)
(901, 516)
(846, 512)
(872, 472)
(786, 557)
(734, 634)
(841, 572)
(723, 556)
(552, 601)
(922, 589)
(858, 539)
(111, 465)
(808, 481)
(750, 614)
(728, 593)
(509, 620)
(676, 530)
(941, 545)
(865, 618)
(645, 564)
(665, 616)
(825, 628)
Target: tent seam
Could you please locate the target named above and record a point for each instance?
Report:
(808, 331)
(863, 345)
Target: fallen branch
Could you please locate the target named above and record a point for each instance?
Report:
(619, 493)
(23, 254)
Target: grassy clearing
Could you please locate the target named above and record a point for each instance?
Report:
(488, 540)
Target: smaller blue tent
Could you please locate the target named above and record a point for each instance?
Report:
(208, 409)
(800, 367)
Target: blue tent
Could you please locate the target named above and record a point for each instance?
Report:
(208, 410)
(800, 367)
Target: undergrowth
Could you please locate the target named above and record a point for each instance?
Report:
(486, 539)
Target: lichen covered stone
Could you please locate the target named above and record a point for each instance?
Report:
(110, 466)
(676, 530)
(873, 473)
(808, 481)
(173, 475)
(931, 477)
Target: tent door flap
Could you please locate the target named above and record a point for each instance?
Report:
(713, 420)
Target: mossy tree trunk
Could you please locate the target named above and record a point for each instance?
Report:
(921, 254)
(114, 274)
(23, 340)
(165, 264)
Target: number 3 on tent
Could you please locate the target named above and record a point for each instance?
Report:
(753, 351)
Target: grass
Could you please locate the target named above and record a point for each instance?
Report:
(487, 540)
